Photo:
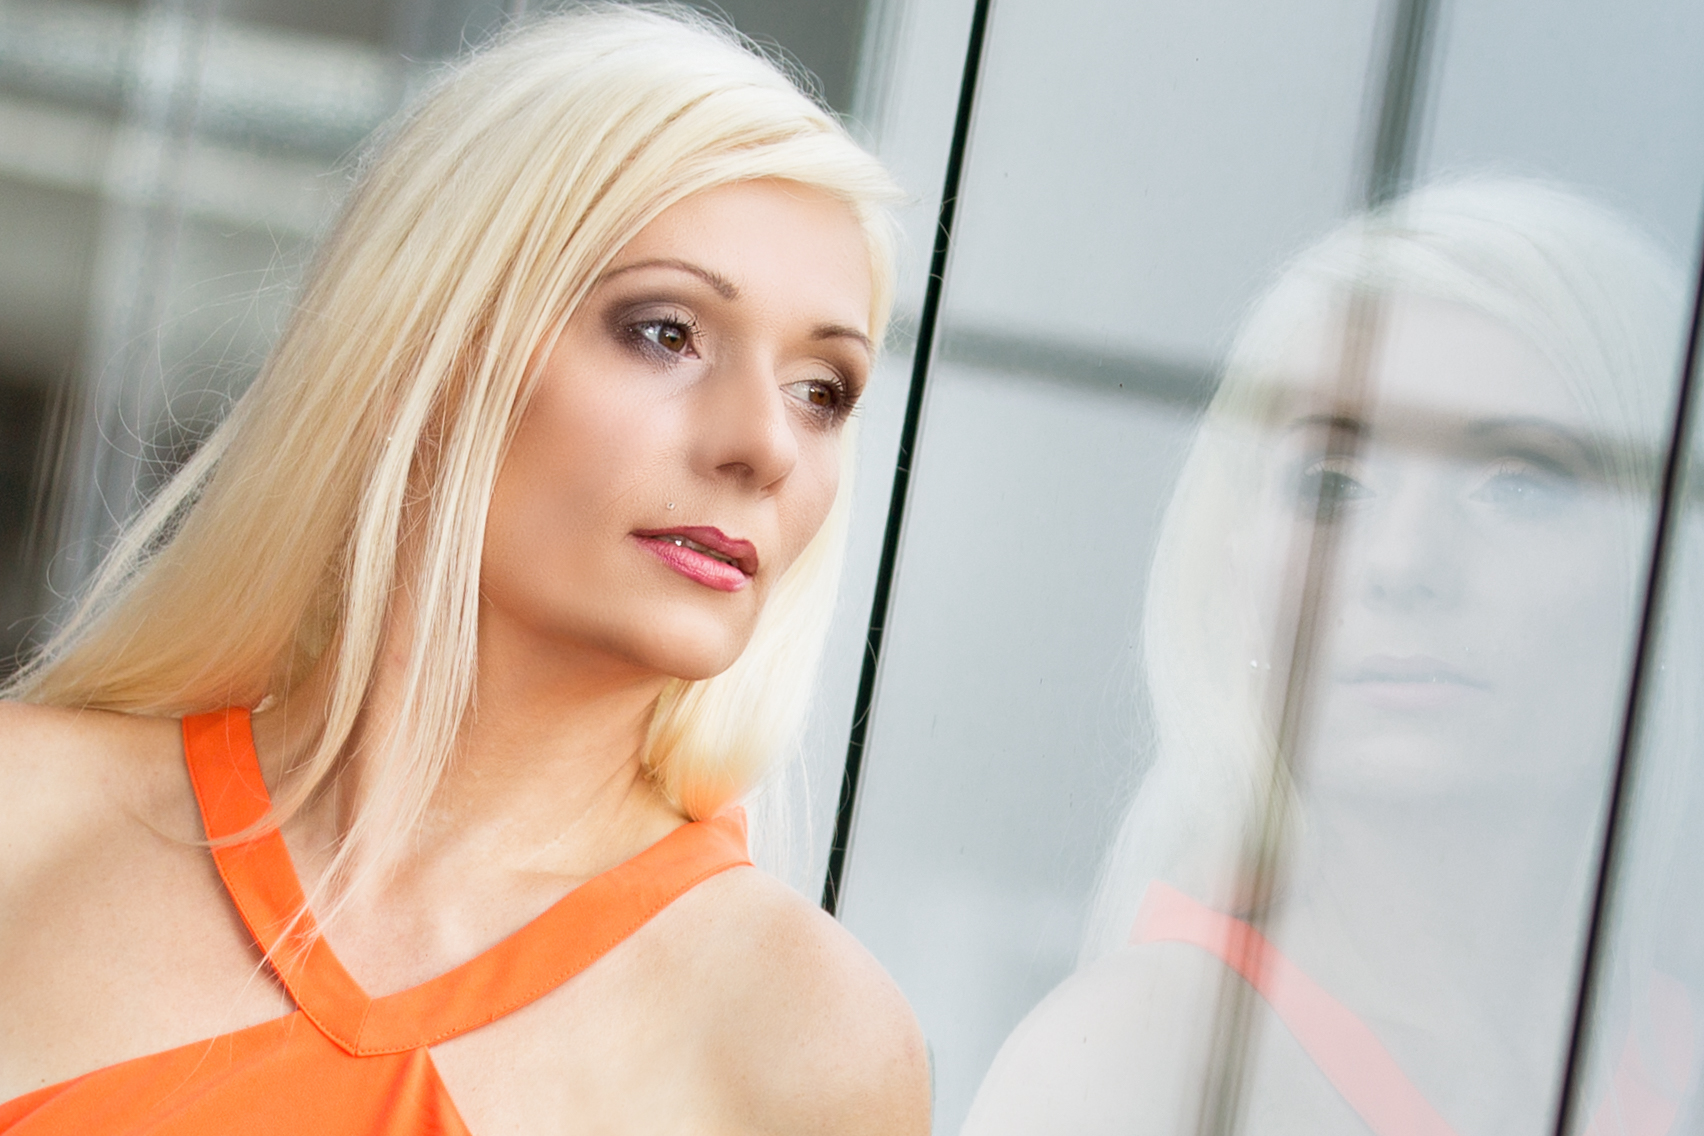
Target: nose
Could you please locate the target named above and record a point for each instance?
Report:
(1408, 547)
(744, 429)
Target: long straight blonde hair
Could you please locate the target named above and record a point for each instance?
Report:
(361, 462)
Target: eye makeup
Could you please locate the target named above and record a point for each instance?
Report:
(665, 337)
(666, 333)
(828, 398)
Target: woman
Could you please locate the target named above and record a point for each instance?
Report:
(1387, 631)
(520, 551)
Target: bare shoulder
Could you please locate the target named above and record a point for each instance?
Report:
(1117, 1047)
(71, 772)
(810, 1027)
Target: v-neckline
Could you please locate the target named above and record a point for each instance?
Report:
(569, 936)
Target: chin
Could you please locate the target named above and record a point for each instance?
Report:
(692, 653)
(697, 670)
(1400, 772)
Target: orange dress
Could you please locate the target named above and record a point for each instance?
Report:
(1644, 1095)
(344, 1063)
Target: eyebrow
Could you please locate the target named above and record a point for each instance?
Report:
(1527, 425)
(1414, 426)
(1542, 432)
(842, 331)
(724, 287)
(728, 290)
(1472, 428)
(1329, 421)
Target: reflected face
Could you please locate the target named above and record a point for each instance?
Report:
(1478, 617)
(683, 441)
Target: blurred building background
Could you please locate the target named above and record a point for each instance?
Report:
(165, 167)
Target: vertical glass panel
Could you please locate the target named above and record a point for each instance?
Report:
(1601, 97)
(904, 99)
(1271, 584)
(1637, 1068)
(1134, 172)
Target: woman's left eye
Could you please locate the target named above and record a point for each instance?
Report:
(824, 397)
(1514, 483)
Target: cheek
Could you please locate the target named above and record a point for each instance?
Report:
(1269, 556)
(1559, 606)
(1575, 568)
(810, 494)
(577, 459)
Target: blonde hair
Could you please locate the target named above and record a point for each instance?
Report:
(362, 460)
(1594, 295)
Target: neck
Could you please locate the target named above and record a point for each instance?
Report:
(544, 776)
(1474, 895)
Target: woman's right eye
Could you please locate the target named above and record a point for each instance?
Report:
(1326, 486)
(669, 336)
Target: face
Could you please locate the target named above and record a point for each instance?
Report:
(1480, 599)
(682, 444)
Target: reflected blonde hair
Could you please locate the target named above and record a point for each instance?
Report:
(1595, 296)
(362, 460)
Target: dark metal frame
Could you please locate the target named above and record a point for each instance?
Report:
(846, 809)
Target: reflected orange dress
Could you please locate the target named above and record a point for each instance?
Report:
(1645, 1092)
(344, 1063)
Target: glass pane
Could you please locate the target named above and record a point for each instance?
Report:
(1110, 229)
(905, 99)
(1271, 582)
(1638, 1069)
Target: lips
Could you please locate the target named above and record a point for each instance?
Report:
(708, 541)
(1409, 682)
(703, 554)
(1408, 668)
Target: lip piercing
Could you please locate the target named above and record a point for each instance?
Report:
(671, 504)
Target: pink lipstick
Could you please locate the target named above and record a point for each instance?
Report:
(703, 554)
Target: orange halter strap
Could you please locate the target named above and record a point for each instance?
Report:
(1640, 1102)
(577, 931)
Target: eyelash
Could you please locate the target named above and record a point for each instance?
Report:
(643, 343)
(845, 401)
(1324, 487)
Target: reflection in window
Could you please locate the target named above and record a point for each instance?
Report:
(1387, 633)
